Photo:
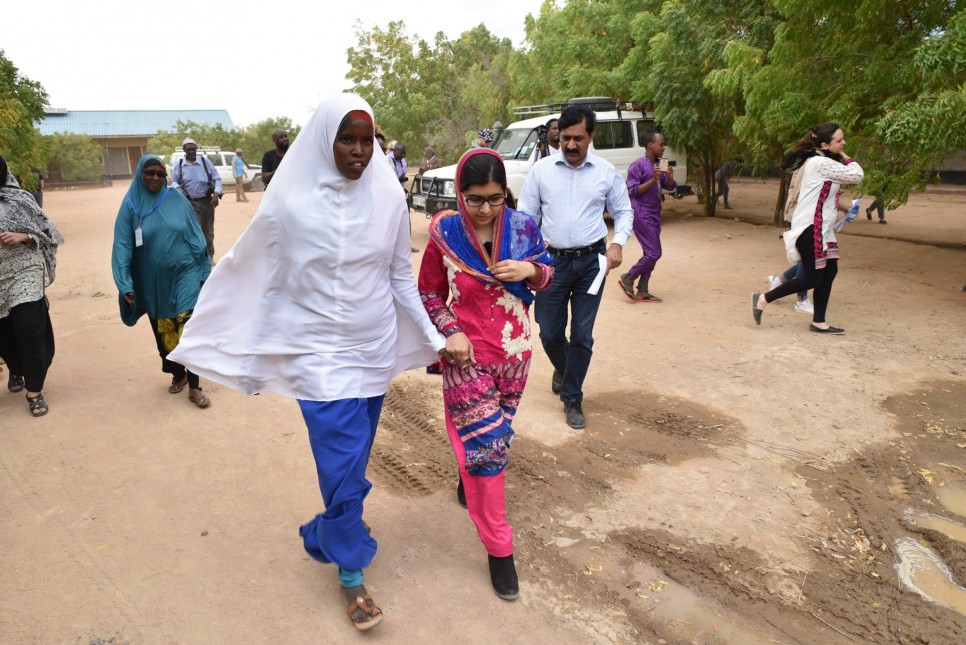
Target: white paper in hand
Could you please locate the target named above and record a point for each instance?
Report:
(599, 280)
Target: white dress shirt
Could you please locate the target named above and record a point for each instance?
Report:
(569, 203)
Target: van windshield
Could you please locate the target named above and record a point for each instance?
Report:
(516, 144)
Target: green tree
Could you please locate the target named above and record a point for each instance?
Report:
(74, 157)
(677, 71)
(926, 127)
(254, 139)
(23, 103)
(257, 137)
(577, 50)
(863, 65)
(431, 93)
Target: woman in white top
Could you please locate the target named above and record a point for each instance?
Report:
(317, 301)
(825, 168)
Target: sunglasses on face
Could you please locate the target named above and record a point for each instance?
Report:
(160, 174)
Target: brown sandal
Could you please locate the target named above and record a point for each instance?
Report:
(364, 603)
(176, 385)
(198, 397)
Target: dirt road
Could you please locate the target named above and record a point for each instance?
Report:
(735, 483)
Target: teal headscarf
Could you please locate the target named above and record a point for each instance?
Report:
(166, 272)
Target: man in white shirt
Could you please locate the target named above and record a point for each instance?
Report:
(567, 193)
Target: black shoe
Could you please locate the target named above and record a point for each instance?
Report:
(575, 415)
(15, 382)
(461, 494)
(755, 311)
(830, 330)
(503, 575)
(556, 382)
(882, 221)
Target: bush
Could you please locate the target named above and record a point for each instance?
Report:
(74, 157)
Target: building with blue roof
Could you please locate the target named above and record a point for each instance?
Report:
(123, 134)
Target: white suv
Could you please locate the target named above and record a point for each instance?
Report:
(618, 138)
(222, 161)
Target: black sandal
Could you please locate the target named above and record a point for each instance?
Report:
(38, 407)
(15, 383)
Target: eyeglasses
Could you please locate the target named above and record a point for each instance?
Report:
(160, 174)
(476, 201)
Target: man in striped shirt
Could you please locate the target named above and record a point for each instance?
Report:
(567, 193)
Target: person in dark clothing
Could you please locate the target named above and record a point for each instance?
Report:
(724, 173)
(28, 264)
(272, 158)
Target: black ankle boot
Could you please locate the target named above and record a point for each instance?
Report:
(461, 494)
(503, 575)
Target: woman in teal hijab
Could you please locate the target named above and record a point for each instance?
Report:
(160, 261)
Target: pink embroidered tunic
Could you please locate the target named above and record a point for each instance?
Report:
(496, 321)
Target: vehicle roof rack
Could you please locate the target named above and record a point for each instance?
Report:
(596, 103)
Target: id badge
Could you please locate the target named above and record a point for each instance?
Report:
(138, 239)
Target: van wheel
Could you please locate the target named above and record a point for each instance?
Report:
(257, 184)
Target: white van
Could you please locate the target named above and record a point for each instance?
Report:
(618, 138)
(222, 161)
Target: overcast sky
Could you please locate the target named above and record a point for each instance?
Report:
(255, 59)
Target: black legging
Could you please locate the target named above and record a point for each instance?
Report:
(818, 279)
(27, 343)
(176, 370)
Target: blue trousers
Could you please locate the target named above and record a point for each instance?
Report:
(341, 435)
(568, 293)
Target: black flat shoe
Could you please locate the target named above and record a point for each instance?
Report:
(461, 494)
(830, 330)
(15, 383)
(755, 311)
(556, 382)
(503, 575)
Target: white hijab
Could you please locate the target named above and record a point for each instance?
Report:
(317, 298)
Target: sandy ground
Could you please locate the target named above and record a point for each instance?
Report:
(735, 483)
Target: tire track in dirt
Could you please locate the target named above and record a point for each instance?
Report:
(629, 430)
(411, 455)
(849, 593)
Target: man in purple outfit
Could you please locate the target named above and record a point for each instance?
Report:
(643, 177)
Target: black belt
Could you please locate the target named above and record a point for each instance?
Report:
(198, 199)
(579, 251)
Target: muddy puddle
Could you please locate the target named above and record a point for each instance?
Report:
(923, 571)
(865, 582)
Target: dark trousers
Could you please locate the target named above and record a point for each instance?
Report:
(176, 370)
(205, 212)
(568, 294)
(27, 343)
(818, 279)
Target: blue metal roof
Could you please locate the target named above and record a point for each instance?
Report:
(128, 123)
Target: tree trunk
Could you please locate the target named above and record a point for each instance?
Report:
(782, 197)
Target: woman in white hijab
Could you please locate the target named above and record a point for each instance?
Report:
(317, 301)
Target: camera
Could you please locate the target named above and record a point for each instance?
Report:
(542, 134)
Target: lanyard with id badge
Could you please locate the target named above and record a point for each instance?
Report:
(138, 235)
